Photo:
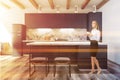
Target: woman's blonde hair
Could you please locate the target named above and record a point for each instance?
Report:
(97, 26)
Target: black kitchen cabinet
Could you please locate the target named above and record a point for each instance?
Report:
(52, 20)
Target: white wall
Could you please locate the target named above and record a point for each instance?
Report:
(111, 29)
(9, 17)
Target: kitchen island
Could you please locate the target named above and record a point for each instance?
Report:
(78, 52)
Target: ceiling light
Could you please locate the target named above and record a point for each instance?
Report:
(94, 9)
(58, 9)
(39, 9)
(76, 9)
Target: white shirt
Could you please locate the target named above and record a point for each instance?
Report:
(95, 35)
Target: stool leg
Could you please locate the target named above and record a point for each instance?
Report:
(46, 69)
(54, 69)
(34, 68)
(69, 69)
(29, 70)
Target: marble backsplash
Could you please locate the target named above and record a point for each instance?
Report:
(57, 34)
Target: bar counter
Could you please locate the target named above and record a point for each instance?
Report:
(78, 52)
(61, 43)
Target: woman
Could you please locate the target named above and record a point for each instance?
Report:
(94, 36)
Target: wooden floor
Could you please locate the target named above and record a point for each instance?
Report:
(16, 68)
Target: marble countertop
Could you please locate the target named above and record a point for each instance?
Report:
(60, 43)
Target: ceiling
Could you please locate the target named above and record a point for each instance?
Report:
(54, 6)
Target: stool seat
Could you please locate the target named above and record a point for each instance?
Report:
(62, 59)
(39, 59)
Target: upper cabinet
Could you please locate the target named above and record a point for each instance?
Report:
(56, 20)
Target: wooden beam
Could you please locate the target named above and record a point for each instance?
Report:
(85, 4)
(101, 4)
(18, 4)
(68, 4)
(5, 5)
(51, 4)
(34, 3)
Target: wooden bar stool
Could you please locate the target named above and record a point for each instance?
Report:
(34, 60)
(62, 60)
